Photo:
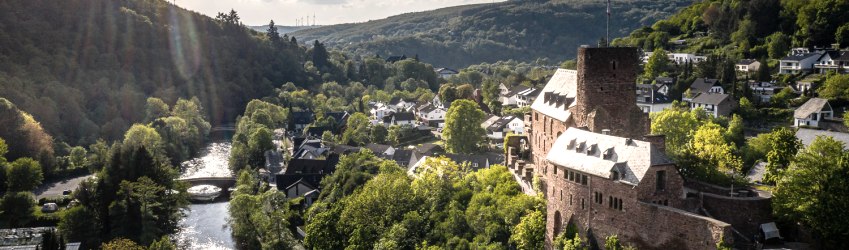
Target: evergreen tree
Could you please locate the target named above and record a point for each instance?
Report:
(273, 36)
(319, 55)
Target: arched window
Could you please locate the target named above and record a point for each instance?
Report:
(558, 223)
(613, 64)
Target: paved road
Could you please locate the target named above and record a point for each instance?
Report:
(55, 188)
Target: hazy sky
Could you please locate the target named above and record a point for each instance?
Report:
(284, 12)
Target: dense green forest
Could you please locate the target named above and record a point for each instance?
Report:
(747, 29)
(62, 61)
(520, 30)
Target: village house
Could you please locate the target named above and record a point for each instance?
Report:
(650, 100)
(812, 113)
(432, 116)
(747, 65)
(399, 119)
(599, 170)
(677, 58)
(496, 131)
(763, 91)
(303, 176)
(714, 104)
(663, 84)
(446, 73)
(797, 63)
(525, 98)
(833, 61)
(512, 97)
(503, 90)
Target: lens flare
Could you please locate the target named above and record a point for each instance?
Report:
(184, 44)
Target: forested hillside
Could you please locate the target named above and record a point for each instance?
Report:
(84, 68)
(747, 29)
(520, 30)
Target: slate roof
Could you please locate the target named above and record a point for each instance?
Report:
(377, 149)
(530, 92)
(317, 131)
(599, 154)
(472, 159)
(499, 124)
(703, 85)
(342, 149)
(311, 171)
(811, 106)
(302, 117)
(446, 71)
(403, 156)
(746, 61)
(400, 116)
(490, 119)
(807, 136)
(564, 83)
(517, 90)
(799, 57)
(711, 98)
(664, 80)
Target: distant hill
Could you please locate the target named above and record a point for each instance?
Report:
(282, 29)
(471, 34)
(84, 68)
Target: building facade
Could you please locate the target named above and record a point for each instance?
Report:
(600, 171)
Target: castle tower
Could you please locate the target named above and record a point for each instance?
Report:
(606, 87)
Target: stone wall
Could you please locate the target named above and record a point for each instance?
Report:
(639, 223)
(743, 213)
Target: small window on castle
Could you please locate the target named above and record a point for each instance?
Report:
(583, 204)
(610, 201)
(571, 176)
(615, 175)
(619, 204)
(555, 171)
(666, 202)
(561, 194)
(570, 200)
(583, 180)
(613, 65)
(661, 180)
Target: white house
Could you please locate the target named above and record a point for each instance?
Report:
(400, 119)
(512, 97)
(650, 100)
(714, 104)
(812, 112)
(682, 58)
(837, 61)
(498, 129)
(446, 73)
(432, 116)
(747, 65)
(525, 98)
(502, 89)
(795, 63)
(379, 111)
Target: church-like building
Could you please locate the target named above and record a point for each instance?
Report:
(601, 171)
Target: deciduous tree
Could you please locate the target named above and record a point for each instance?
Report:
(462, 132)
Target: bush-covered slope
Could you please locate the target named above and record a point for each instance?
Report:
(84, 68)
(471, 34)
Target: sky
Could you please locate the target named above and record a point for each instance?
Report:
(284, 12)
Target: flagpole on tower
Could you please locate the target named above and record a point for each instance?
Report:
(607, 40)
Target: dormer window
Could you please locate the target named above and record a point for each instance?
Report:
(614, 175)
(581, 147)
(591, 149)
(571, 144)
(608, 154)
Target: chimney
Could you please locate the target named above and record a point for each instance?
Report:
(605, 131)
(657, 141)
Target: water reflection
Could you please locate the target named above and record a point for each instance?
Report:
(212, 163)
(205, 227)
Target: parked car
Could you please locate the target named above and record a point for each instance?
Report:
(49, 207)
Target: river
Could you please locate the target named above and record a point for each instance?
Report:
(205, 225)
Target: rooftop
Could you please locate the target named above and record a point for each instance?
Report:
(711, 98)
(811, 106)
(600, 155)
(564, 84)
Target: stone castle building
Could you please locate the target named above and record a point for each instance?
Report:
(600, 170)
